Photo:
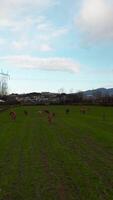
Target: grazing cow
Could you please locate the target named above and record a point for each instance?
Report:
(12, 115)
(50, 118)
(83, 110)
(67, 111)
(26, 112)
(40, 112)
(46, 111)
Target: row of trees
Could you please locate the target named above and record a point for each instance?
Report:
(63, 98)
(96, 98)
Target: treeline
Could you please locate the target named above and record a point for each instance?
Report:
(58, 99)
(95, 99)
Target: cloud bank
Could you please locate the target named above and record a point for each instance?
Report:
(53, 64)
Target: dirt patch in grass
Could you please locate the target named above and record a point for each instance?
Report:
(56, 185)
(62, 191)
(49, 185)
(45, 164)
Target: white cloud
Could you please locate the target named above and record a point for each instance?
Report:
(29, 30)
(2, 41)
(45, 48)
(95, 19)
(52, 33)
(13, 7)
(45, 26)
(52, 63)
(43, 34)
(16, 14)
(19, 45)
(22, 45)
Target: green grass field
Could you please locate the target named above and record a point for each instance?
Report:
(67, 160)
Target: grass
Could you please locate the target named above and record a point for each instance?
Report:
(71, 159)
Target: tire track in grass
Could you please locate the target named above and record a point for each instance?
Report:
(58, 192)
(61, 159)
(89, 151)
(61, 191)
(37, 183)
(86, 139)
(11, 159)
(50, 144)
(14, 160)
(71, 184)
(47, 187)
(90, 145)
(28, 178)
(92, 152)
(50, 174)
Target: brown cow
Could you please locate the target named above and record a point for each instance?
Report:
(40, 112)
(50, 118)
(12, 115)
(46, 111)
(83, 110)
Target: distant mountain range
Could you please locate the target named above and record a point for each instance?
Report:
(103, 91)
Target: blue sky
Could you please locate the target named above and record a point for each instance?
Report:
(51, 44)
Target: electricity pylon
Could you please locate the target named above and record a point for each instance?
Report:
(4, 77)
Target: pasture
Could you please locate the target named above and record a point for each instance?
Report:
(70, 159)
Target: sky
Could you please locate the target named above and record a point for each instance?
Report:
(51, 44)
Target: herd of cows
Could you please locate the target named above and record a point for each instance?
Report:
(50, 115)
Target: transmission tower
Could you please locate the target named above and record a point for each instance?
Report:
(4, 77)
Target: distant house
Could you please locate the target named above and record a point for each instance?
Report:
(2, 101)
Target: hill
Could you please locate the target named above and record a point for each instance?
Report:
(103, 91)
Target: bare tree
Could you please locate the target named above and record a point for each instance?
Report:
(61, 90)
(71, 91)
